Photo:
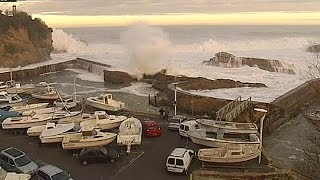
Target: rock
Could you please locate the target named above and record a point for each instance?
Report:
(118, 77)
(314, 48)
(23, 40)
(224, 59)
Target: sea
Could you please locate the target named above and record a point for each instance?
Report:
(141, 48)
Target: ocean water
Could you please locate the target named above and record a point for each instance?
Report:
(181, 49)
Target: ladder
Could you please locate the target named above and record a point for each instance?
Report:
(233, 109)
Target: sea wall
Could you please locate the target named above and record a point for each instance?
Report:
(77, 63)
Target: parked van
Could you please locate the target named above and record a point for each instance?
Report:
(175, 121)
(180, 160)
(186, 126)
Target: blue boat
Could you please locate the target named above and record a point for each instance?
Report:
(6, 114)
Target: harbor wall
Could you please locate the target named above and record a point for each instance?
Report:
(78, 63)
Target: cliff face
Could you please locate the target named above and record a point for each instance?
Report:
(23, 40)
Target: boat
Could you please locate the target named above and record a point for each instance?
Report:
(9, 99)
(104, 121)
(50, 110)
(45, 93)
(56, 134)
(314, 118)
(29, 107)
(67, 103)
(26, 121)
(76, 119)
(105, 102)
(13, 87)
(229, 127)
(2, 85)
(64, 114)
(6, 114)
(220, 139)
(88, 138)
(130, 132)
(36, 130)
(230, 153)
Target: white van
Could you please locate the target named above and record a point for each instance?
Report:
(179, 160)
(186, 126)
(175, 121)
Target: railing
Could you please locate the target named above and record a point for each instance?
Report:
(223, 111)
(233, 109)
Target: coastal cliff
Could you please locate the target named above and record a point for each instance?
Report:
(23, 40)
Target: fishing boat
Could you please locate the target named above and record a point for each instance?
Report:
(229, 127)
(230, 153)
(105, 102)
(130, 132)
(45, 93)
(88, 138)
(104, 121)
(13, 87)
(56, 134)
(26, 121)
(9, 99)
(29, 107)
(220, 139)
(76, 119)
(6, 114)
(50, 110)
(314, 118)
(67, 103)
(36, 130)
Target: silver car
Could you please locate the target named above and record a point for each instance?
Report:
(15, 160)
(50, 172)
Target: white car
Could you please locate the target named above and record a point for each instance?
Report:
(4, 175)
(180, 160)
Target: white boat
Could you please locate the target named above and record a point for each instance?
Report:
(64, 114)
(50, 110)
(46, 93)
(220, 139)
(76, 119)
(105, 102)
(91, 138)
(9, 99)
(104, 121)
(13, 87)
(26, 121)
(130, 132)
(229, 127)
(68, 103)
(56, 134)
(36, 130)
(29, 107)
(231, 153)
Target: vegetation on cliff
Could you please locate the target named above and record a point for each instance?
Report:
(23, 40)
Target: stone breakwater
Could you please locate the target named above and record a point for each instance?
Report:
(77, 63)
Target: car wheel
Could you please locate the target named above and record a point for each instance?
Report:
(84, 163)
(112, 160)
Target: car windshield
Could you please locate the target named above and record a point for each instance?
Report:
(21, 161)
(61, 176)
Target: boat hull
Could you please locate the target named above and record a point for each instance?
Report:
(22, 90)
(66, 144)
(105, 107)
(23, 125)
(228, 160)
(46, 97)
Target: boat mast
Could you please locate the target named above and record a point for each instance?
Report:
(74, 90)
(11, 75)
(261, 129)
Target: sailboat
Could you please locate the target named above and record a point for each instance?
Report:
(56, 134)
(67, 102)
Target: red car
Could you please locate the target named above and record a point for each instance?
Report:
(151, 128)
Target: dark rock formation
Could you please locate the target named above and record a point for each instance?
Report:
(314, 48)
(118, 78)
(23, 40)
(228, 60)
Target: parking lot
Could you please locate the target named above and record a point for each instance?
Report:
(144, 162)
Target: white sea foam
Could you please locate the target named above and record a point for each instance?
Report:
(87, 76)
(139, 89)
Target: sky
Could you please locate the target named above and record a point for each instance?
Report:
(88, 13)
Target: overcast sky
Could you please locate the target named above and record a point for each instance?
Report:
(43, 8)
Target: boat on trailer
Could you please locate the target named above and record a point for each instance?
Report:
(230, 153)
(105, 102)
(229, 127)
(104, 121)
(26, 121)
(130, 132)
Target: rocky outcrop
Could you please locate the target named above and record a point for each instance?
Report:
(118, 78)
(228, 60)
(23, 40)
(314, 48)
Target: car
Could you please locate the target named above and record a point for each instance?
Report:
(151, 128)
(15, 160)
(179, 160)
(51, 172)
(99, 154)
(4, 175)
(175, 122)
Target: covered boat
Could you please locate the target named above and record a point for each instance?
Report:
(104, 121)
(230, 153)
(229, 127)
(26, 121)
(29, 107)
(56, 134)
(130, 132)
(88, 138)
(105, 102)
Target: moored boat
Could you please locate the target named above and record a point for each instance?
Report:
(104, 121)
(13, 87)
(50, 110)
(105, 102)
(68, 103)
(76, 119)
(56, 134)
(36, 130)
(29, 107)
(26, 121)
(229, 127)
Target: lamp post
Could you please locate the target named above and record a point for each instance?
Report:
(175, 98)
(261, 129)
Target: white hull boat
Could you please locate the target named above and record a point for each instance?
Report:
(46, 93)
(56, 134)
(104, 121)
(51, 110)
(105, 102)
(76, 119)
(130, 132)
(229, 127)
(94, 139)
(68, 103)
(29, 107)
(36, 130)
(219, 139)
(26, 121)
(65, 114)
(231, 153)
